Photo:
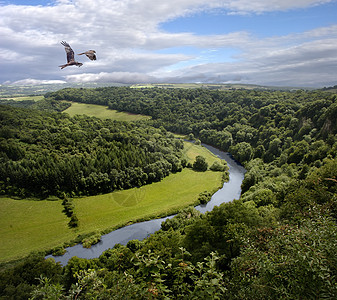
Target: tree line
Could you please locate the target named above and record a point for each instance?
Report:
(247, 123)
(48, 153)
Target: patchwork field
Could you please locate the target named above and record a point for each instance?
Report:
(23, 98)
(27, 225)
(102, 112)
(200, 85)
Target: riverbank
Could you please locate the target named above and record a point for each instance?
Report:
(27, 225)
(230, 190)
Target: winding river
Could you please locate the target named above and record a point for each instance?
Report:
(231, 190)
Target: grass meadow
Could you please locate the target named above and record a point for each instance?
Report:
(28, 225)
(102, 112)
(97, 213)
(198, 85)
(23, 98)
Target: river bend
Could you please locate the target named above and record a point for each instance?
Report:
(231, 190)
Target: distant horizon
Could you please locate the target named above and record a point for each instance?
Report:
(163, 84)
(158, 84)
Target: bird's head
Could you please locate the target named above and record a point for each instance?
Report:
(79, 64)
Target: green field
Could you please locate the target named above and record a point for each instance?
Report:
(23, 98)
(191, 151)
(176, 191)
(102, 112)
(201, 85)
(27, 225)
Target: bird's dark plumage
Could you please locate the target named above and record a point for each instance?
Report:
(91, 54)
(70, 56)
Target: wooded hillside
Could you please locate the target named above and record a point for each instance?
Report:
(278, 241)
(46, 153)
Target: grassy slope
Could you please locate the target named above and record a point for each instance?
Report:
(165, 197)
(27, 225)
(173, 192)
(22, 98)
(102, 112)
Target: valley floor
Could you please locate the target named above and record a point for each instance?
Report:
(28, 225)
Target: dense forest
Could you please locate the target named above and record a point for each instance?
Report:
(48, 153)
(44, 105)
(277, 241)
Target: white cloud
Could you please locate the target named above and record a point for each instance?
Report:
(260, 6)
(119, 77)
(307, 59)
(31, 81)
(127, 38)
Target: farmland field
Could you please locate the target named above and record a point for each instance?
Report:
(23, 98)
(27, 225)
(102, 112)
(174, 192)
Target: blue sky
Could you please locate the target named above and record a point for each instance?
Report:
(27, 2)
(268, 42)
(263, 25)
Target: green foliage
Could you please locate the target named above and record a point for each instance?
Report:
(290, 262)
(118, 258)
(150, 277)
(92, 240)
(223, 228)
(277, 242)
(58, 251)
(17, 282)
(73, 223)
(262, 197)
(242, 151)
(68, 207)
(200, 164)
(45, 105)
(204, 197)
(319, 188)
(51, 154)
(254, 174)
(217, 167)
(209, 283)
(249, 123)
(182, 219)
(69, 212)
(46, 290)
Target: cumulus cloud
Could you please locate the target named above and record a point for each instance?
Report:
(260, 6)
(129, 43)
(307, 59)
(31, 81)
(118, 77)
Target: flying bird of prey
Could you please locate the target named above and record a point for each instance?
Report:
(91, 54)
(70, 56)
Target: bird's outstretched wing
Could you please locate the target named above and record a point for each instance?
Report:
(90, 54)
(69, 51)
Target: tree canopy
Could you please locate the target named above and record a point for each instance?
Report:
(277, 241)
(47, 153)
